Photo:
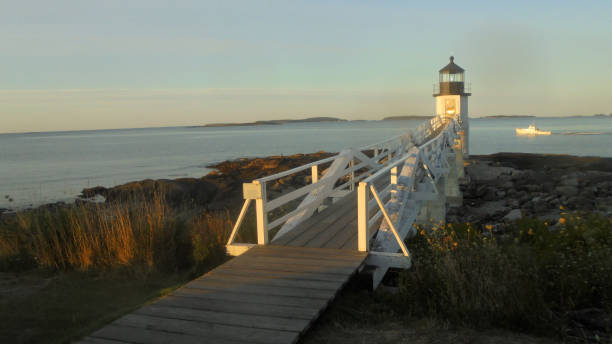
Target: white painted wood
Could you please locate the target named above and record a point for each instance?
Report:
(362, 217)
(243, 211)
(418, 156)
(237, 249)
(296, 170)
(394, 260)
(262, 216)
(389, 222)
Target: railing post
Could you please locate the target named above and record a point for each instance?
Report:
(315, 173)
(362, 217)
(394, 180)
(262, 215)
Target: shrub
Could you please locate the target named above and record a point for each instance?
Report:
(529, 280)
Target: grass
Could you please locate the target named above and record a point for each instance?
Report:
(61, 307)
(67, 271)
(518, 284)
(528, 278)
(144, 237)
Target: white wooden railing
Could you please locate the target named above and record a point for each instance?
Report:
(402, 159)
(395, 194)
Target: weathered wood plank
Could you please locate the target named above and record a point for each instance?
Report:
(93, 340)
(268, 295)
(351, 243)
(295, 252)
(329, 215)
(314, 251)
(208, 330)
(278, 306)
(282, 274)
(279, 266)
(275, 281)
(328, 212)
(342, 224)
(259, 289)
(149, 336)
(320, 227)
(296, 261)
(244, 320)
(349, 230)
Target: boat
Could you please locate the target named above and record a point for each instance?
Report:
(531, 130)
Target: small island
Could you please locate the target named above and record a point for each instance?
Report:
(273, 122)
(508, 116)
(406, 118)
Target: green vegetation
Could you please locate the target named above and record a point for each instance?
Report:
(528, 278)
(66, 271)
(467, 286)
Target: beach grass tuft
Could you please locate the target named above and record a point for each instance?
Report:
(141, 236)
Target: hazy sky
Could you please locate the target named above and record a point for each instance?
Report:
(112, 64)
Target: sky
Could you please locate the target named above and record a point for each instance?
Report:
(70, 65)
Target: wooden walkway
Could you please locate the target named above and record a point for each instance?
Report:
(334, 227)
(270, 294)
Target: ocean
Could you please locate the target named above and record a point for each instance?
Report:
(38, 168)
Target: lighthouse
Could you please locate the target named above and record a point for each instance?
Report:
(452, 99)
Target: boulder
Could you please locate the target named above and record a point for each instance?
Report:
(513, 215)
(491, 209)
(565, 190)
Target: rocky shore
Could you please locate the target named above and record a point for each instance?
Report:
(507, 186)
(500, 188)
(221, 188)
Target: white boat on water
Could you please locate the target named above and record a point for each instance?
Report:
(531, 130)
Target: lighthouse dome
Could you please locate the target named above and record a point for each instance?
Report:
(451, 68)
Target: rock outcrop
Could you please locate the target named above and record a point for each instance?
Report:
(220, 189)
(507, 186)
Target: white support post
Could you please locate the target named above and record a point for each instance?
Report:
(399, 239)
(243, 211)
(362, 217)
(459, 164)
(262, 215)
(394, 171)
(315, 173)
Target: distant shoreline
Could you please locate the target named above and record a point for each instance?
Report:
(406, 118)
(271, 122)
(509, 116)
(541, 117)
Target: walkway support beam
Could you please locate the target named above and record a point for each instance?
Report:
(363, 239)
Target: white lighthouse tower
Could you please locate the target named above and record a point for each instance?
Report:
(452, 99)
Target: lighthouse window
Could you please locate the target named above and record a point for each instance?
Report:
(449, 106)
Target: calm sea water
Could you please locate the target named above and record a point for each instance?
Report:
(38, 168)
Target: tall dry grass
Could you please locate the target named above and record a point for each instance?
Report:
(144, 235)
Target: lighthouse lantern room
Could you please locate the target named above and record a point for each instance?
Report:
(452, 98)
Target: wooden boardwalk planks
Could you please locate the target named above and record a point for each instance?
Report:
(334, 227)
(270, 294)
